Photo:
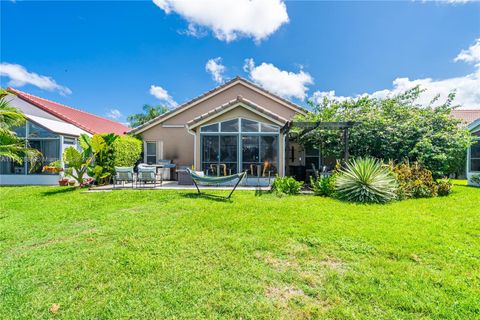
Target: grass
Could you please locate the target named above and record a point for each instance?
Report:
(169, 254)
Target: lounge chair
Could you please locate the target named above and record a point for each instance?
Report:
(216, 180)
(146, 174)
(123, 174)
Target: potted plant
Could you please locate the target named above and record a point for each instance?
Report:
(56, 167)
(63, 182)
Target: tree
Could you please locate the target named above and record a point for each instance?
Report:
(149, 113)
(395, 128)
(11, 146)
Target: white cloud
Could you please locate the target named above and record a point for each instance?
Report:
(467, 88)
(470, 55)
(114, 114)
(458, 1)
(216, 69)
(19, 76)
(162, 95)
(284, 83)
(319, 96)
(230, 19)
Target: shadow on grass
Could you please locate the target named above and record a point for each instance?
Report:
(208, 196)
(259, 192)
(58, 191)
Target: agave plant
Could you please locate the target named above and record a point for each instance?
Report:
(366, 180)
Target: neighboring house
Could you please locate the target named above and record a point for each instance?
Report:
(471, 119)
(51, 127)
(232, 128)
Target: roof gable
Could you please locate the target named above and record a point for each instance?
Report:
(239, 102)
(216, 91)
(86, 121)
(474, 126)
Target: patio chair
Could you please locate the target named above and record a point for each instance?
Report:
(146, 174)
(123, 174)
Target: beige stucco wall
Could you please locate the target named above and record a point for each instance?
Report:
(229, 95)
(178, 144)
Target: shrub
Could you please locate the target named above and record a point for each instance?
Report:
(444, 187)
(414, 181)
(127, 151)
(286, 185)
(366, 180)
(323, 186)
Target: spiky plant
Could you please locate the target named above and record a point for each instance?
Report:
(366, 180)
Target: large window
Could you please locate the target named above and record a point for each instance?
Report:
(475, 157)
(249, 145)
(37, 137)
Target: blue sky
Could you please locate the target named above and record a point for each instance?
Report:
(104, 56)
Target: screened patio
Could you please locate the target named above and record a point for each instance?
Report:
(240, 145)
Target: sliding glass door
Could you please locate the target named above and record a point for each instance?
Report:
(260, 154)
(219, 154)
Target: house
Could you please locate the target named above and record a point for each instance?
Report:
(51, 127)
(471, 119)
(235, 127)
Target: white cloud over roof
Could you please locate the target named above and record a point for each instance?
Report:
(216, 69)
(286, 84)
(466, 88)
(162, 95)
(20, 76)
(230, 19)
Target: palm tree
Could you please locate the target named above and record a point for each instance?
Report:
(11, 146)
(149, 113)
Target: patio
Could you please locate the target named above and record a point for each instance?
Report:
(173, 185)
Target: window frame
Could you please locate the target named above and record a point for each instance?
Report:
(470, 158)
(155, 143)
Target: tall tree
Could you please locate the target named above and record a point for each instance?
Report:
(395, 128)
(149, 113)
(11, 146)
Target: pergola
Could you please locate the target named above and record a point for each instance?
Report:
(308, 126)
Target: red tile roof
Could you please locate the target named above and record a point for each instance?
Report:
(467, 115)
(84, 120)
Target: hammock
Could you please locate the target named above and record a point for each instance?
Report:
(216, 180)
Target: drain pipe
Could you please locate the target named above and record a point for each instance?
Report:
(284, 153)
(194, 147)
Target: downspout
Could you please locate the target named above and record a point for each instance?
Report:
(194, 148)
(284, 153)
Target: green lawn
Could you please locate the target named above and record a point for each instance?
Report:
(169, 254)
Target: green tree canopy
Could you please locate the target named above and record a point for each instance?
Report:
(149, 113)
(395, 128)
